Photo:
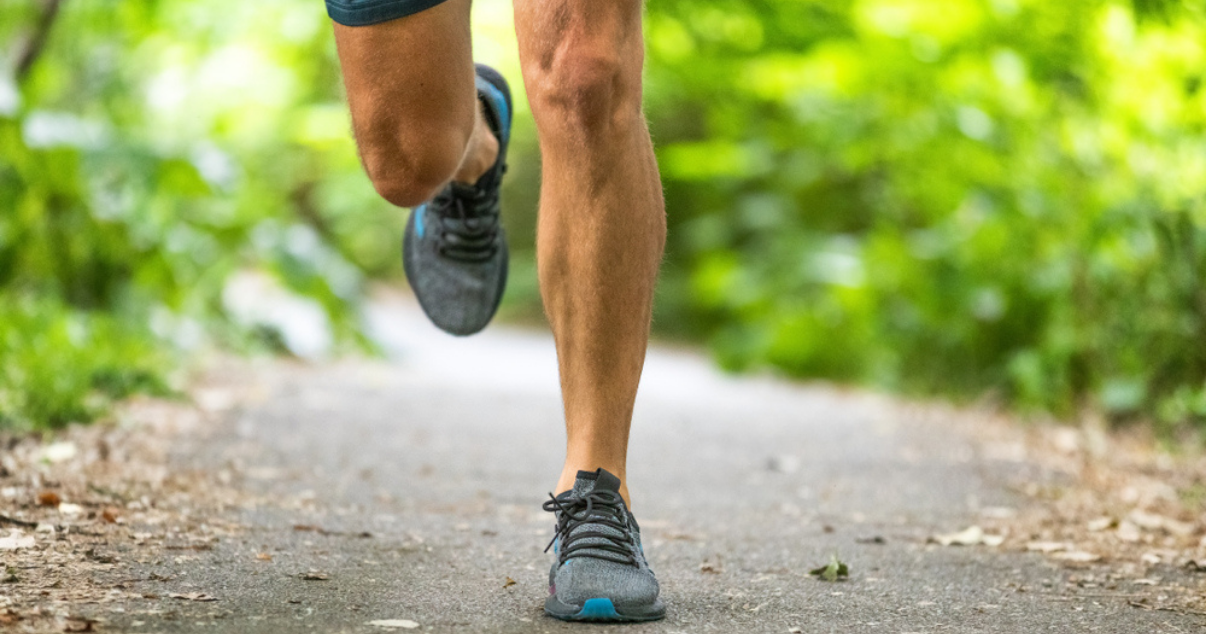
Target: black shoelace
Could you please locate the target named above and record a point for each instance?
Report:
(468, 223)
(597, 508)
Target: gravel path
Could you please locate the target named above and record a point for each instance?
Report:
(410, 491)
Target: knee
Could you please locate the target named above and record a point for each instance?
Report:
(585, 88)
(407, 175)
(407, 154)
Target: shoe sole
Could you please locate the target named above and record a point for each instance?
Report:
(602, 611)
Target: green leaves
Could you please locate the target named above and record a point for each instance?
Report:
(954, 198)
(151, 152)
(63, 365)
(1017, 186)
(835, 570)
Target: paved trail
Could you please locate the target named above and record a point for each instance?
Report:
(742, 484)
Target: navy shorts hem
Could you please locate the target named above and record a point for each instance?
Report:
(366, 12)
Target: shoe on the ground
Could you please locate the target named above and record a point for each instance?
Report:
(454, 250)
(599, 572)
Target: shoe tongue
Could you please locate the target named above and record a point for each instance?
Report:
(462, 190)
(600, 480)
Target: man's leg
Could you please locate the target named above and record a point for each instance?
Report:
(416, 116)
(602, 219)
(432, 131)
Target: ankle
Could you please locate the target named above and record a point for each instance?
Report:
(481, 153)
(569, 475)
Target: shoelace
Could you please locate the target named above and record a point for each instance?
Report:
(597, 508)
(468, 223)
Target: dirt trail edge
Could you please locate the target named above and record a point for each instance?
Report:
(374, 496)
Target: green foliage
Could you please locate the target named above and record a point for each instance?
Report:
(952, 197)
(961, 197)
(835, 570)
(153, 150)
(62, 365)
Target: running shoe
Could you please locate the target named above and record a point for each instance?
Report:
(454, 250)
(599, 572)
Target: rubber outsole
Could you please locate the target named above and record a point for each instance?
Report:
(602, 610)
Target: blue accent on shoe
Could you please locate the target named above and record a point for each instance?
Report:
(419, 212)
(500, 106)
(598, 609)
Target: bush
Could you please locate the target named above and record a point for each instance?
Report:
(951, 198)
(960, 197)
(150, 152)
(62, 365)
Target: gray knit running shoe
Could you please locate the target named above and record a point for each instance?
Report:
(455, 251)
(600, 572)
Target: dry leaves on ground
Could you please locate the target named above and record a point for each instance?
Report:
(79, 510)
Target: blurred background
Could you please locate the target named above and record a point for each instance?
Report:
(999, 200)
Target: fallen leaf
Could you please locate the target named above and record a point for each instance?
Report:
(314, 575)
(49, 498)
(709, 568)
(1076, 556)
(1153, 522)
(110, 514)
(70, 509)
(993, 540)
(1128, 532)
(16, 540)
(832, 571)
(794, 630)
(395, 623)
(263, 557)
(79, 624)
(970, 536)
(508, 583)
(1047, 547)
(193, 596)
(59, 452)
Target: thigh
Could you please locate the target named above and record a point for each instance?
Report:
(408, 77)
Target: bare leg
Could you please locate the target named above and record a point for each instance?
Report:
(602, 220)
(414, 107)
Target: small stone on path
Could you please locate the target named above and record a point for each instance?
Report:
(16, 540)
(395, 623)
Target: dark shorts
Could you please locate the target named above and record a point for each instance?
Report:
(366, 12)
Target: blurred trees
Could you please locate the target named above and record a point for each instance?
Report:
(945, 197)
(958, 197)
(148, 153)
